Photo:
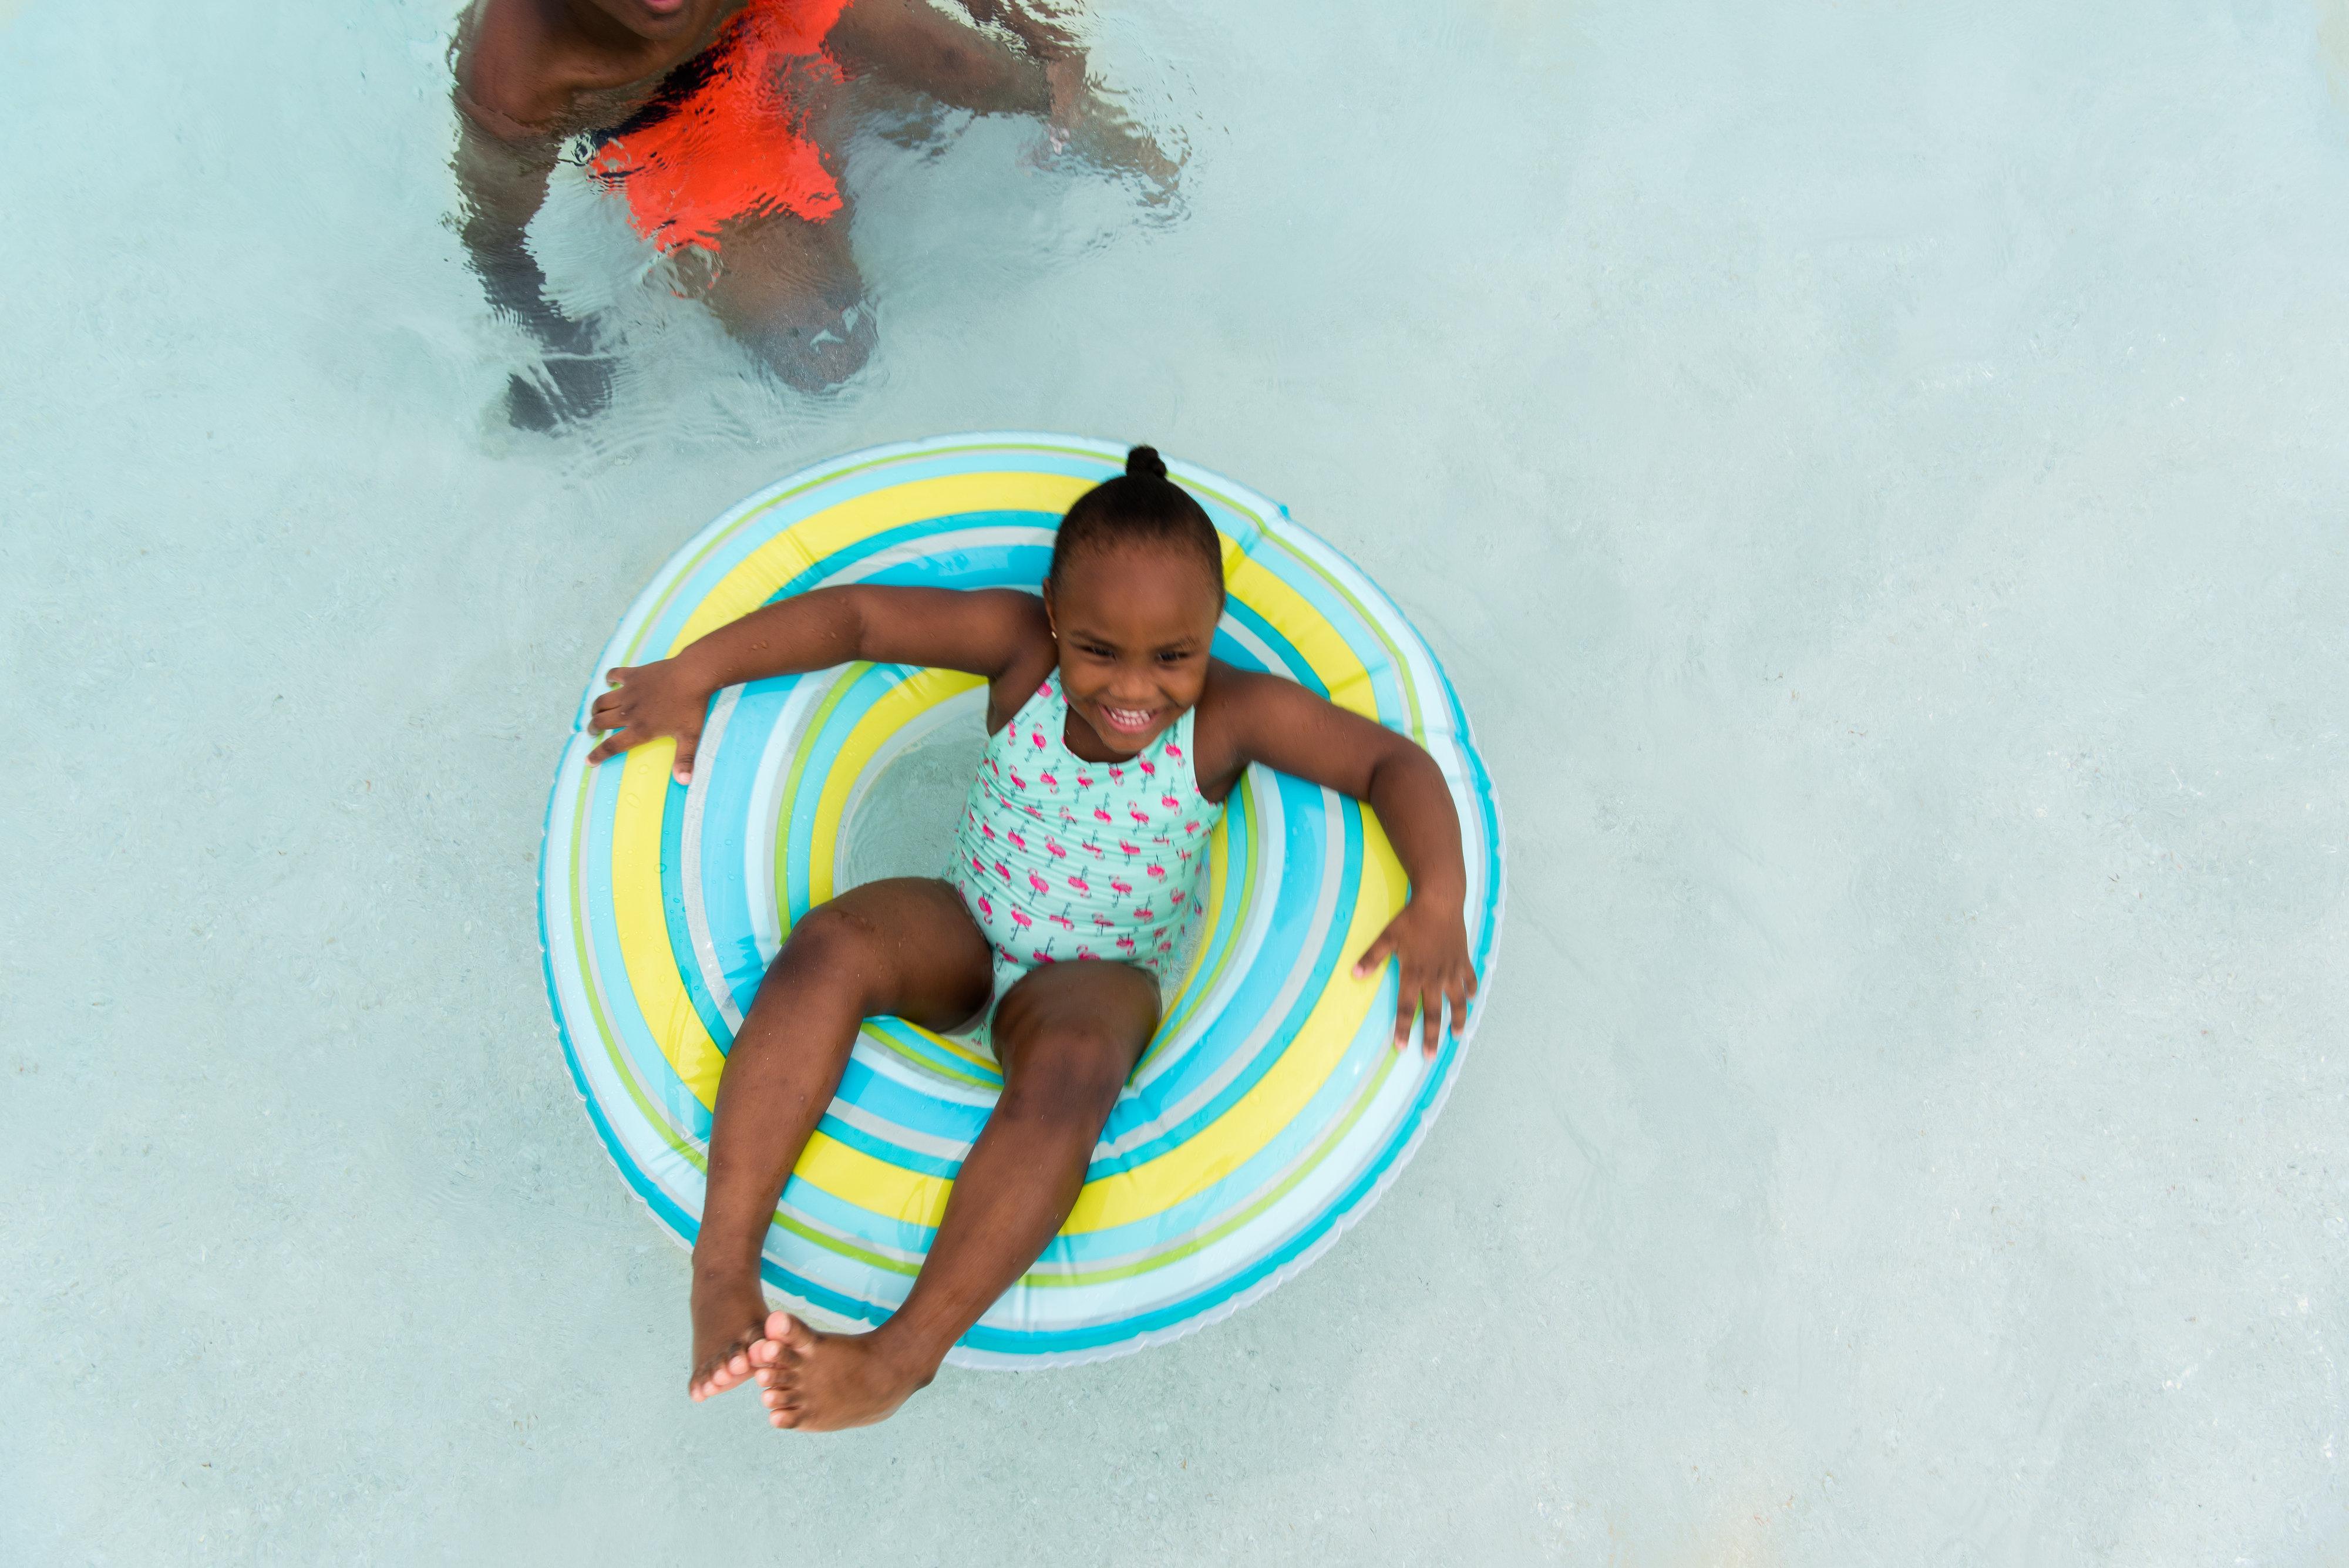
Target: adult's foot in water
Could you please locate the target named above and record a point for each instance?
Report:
(729, 1316)
(824, 1382)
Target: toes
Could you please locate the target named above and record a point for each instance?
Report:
(788, 1331)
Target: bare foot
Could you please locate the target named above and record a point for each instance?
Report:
(729, 1316)
(823, 1382)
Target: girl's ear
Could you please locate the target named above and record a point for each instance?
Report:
(1051, 624)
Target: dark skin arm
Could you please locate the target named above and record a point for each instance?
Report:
(910, 43)
(913, 45)
(501, 183)
(997, 633)
(1247, 717)
(501, 180)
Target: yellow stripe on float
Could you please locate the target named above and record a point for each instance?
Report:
(1221, 1147)
(1308, 630)
(826, 532)
(642, 927)
(873, 1185)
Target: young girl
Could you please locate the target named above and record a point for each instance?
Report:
(1110, 729)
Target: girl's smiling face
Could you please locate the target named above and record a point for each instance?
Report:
(1135, 623)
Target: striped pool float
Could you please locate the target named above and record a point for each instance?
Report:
(1269, 1112)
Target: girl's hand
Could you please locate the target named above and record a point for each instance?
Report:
(1429, 942)
(645, 702)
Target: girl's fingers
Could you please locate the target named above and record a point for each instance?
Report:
(686, 744)
(1431, 1029)
(624, 737)
(614, 675)
(1376, 953)
(1460, 993)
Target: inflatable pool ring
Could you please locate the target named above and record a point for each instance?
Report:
(1269, 1112)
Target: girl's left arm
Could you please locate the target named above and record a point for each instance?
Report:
(1265, 719)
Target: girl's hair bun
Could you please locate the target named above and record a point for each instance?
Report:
(1140, 506)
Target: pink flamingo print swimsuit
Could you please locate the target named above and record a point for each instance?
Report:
(1058, 859)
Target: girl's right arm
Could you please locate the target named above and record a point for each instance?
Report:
(998, 633)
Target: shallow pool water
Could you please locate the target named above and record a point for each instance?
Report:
(1875, 474)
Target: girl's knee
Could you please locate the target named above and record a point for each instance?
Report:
(830, 943)
(1074, 1072)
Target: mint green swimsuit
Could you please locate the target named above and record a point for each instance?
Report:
(1059, 858)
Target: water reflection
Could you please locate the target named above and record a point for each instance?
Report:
(720, 125)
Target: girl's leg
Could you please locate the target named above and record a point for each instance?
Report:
(905, 947)
(1067, 1035)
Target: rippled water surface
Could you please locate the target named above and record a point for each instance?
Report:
(1876, 475)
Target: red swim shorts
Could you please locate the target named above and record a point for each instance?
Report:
(725, 138)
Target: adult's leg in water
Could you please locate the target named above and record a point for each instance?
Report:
(1068, 1035)
(906, 947)
(788, 290)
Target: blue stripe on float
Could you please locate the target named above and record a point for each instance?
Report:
(887, 1100)
(733, 786)
(885, 1151)
(1217, 937)
(680, 935)
(832, 1210)
(973, 564)
(1306, 675)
